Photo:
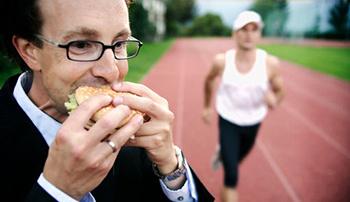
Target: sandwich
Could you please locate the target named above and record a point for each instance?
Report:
(84, 92)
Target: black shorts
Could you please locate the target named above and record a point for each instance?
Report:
(235, 142)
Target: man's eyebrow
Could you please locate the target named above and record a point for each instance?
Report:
(122, 33)
(91, 33)
(80, 31)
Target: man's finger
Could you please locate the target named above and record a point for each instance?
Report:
(81, 116)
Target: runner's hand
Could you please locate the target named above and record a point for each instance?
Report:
(270, 99)
(206, 115)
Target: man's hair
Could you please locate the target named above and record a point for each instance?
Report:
(23, 19)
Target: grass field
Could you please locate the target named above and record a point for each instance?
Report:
(329, 60)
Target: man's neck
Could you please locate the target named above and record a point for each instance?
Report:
(246, 54)
(40, 98)
(245, 60)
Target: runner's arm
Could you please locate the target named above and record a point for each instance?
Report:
(215, 71)
(276, 82)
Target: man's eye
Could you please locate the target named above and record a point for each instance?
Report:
(81, 44)
(120, 44)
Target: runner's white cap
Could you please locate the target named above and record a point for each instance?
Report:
(246, 17)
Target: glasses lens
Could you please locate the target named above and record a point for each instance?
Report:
(126, 49)
(132, 48)
(84, 50)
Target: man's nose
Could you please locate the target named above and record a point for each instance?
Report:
(106, 67)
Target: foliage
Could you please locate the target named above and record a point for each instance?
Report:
(6, 64)
(314, 31)
(339, 18)
(141, 27)
(178, 13)
(7, 68)
(208, 25)
(330, 60)
(274, 13)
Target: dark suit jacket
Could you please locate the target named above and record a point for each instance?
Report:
(24, 152)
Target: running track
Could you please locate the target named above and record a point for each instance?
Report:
(303, 149)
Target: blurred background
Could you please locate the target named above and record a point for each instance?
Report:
(327, 19)
(291, 28)
(303, 149)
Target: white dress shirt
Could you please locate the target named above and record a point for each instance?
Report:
(48, 128)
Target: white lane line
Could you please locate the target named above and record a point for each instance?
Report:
(318, 131)
(280, 175)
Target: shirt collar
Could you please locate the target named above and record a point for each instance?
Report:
(47, 126)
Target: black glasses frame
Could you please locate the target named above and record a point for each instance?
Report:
(104, 47)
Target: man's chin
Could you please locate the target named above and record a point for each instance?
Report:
(248, 47)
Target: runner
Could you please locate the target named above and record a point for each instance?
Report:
(250, 84)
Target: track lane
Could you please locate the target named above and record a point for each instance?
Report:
(313, 169)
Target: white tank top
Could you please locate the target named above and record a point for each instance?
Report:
(240, 97)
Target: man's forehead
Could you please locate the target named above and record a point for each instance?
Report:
(87, 17)
(253, 25)
(85, 4)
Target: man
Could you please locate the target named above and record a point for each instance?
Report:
(250, 83)
(50, 155)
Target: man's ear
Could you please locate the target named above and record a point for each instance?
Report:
(28, 52)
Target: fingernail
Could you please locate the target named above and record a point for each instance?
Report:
(117, 100)
(132, 139)
(139, 119)
(117, 85)
(109, 98)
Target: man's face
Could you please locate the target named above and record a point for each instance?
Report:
(65, 21)
(248, 36)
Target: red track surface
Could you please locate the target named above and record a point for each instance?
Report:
(303, 149)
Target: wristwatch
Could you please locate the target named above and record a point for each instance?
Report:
(179, 171)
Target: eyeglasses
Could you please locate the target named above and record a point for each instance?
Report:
(87, 50)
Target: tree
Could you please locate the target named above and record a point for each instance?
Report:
(338, 18)
(208, 25)
(274, 13)
(141, 27)
(6, 64)
(178, 13)
(314, 31)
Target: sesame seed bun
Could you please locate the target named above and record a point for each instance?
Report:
(84, 92)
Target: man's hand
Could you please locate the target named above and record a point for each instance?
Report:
(156, 134)
(79, 159)
(270, 99)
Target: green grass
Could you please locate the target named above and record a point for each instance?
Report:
(6, 74)
(330, 60)
(149, 54)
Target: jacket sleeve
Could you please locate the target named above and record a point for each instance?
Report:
(202, 192)
(38, 194)
(134, 175)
